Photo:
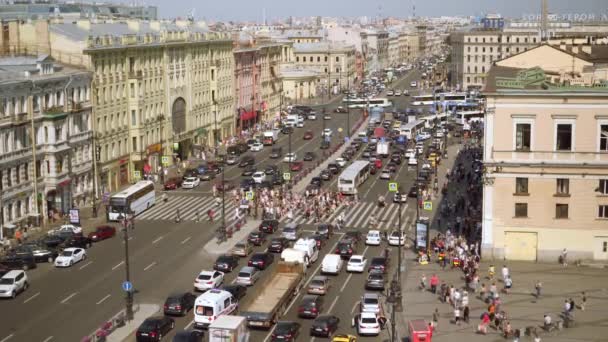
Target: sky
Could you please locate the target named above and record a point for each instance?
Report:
(252, 10)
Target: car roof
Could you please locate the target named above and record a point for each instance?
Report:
(324, 278)
(205, 272)
(71, 249)
(12, 274)
(248, 269)
(371, 295)
(368, 315)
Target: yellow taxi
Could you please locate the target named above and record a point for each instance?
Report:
(344, 338)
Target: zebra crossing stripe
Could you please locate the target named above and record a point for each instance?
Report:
(351, 214)
(365, 222)
(392, 218)
(384, 217)
(332, 218)
(183, 204)
(163, 208)
(364, 214)
(201, 206)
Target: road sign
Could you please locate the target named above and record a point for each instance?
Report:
(286, 176)
(427, 205)
(393, 187)
(249, 195)
(340, 129)
(137, 174)
(164, 160)
(327, 138)
(346, 139)
(382, 139)
(127, 286)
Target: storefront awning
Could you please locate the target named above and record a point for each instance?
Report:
(245, 116)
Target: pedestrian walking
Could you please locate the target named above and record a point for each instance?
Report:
(465, 314)
(583, 301)
(505, 272)
(508, 284)
(423, 282)
(564, 258)
(435, 318)
(456, 315)
(434, 283)
(538, 287)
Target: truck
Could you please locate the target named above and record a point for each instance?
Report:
(277, 292)
(228, 328)
(382, 149)
(270, 137)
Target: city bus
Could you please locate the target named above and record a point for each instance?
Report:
(363, 103)
(410, 129)
(353, 176)
(430, 99)
(134, 200)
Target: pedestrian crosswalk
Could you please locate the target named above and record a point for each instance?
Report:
(188, 207)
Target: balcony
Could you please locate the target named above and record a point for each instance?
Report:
(24, 153)
(136, 74)
(54, 113)
(565, 158)
(80, 137)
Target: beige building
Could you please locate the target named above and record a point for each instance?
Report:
(335, 61)
(299, 84)
(546, 162)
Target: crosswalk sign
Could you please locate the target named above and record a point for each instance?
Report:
(137, 174)
(249, 195)
(286, 176)
(393, 187)
(164, 160)
(427, 205)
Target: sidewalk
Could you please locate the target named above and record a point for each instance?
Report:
(127, 332)
(213, 248)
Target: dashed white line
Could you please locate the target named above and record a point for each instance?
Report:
(149, 266)
(103, 299)
(85, 265)
(185, 240)
(331, 307)
(32, 297)
(7, 338)
(189, 325)
(68, 298)
(48, 339)
(346, 282)
(157, 239)
(118, 265)
(352, 311)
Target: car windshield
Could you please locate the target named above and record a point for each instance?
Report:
(7, 281)
(370, 300)
(67, 253)
(283, 328)
(240, 245)
(355, 260)
(317, 283)
(375, 276)
(289, 230)
(204, 276)
(244, 274)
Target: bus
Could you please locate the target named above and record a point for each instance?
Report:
(133, 200)
(410, 129)
(363, 103)
(430, 99)
(353, 176)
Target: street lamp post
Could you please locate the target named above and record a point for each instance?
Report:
(348, 104)
(129, 296)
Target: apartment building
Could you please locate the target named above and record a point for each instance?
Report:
(374, 46)
(336, 61)
(49, 104)
(545, 156)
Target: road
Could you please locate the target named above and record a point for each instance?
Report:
(67, 304)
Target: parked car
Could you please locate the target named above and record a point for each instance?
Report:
(261, 260)
(310, 306)
(286, 331)
(12, 283)
(324, 326)
(278, 244)
(102, 233)
(78, 241)
(154, 328)
(376, 280)
(226, 263)
(242, 249)
(237, 291)
(19, 261)
(269, 226)
(173, 183)
(179, 303)
(66, 228)
(40, 252)
(247, 276)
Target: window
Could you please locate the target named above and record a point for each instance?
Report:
(523, 136)
(326, 58)
(297, 58)
(337, 58)
(521, 209)
(563, 141)
(603, 188)
(603, 138)
(521, 186)
(318, 58)
(134, 144)
(133, 118)
(563, 186)
(561, 211)
(602, 213)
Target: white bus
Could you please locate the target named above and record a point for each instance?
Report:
(134, 199)
(363, 103)
(353, 176)
(430, 99)
(410, 129)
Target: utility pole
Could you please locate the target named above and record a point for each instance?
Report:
(328, 72)
(129, 298)
(348, 102)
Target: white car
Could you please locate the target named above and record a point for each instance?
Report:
(420, 148)
(412, 161)
(356, 263)
(257, 147)
(390, 93)
(439, 134)
(386, 174)
(397, 92)
(300, 124)
(395, 240)
(413, 84)
(368, 323)
(191, 182)
(399, 197)
(66, 228)
(259, 177)
(327, 132)
(70, 256)
(423, 136)
(410, 152)
(340, 161)
(290, 157)
(312, 116)
(373, 238)
(406, 92)
(207, 280)
(231, 160)
(13, 282)
(426, 166)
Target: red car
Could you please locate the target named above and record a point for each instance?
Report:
(173, 183)
(102, 233)
(227, 186)
(297, 166)
(308, 135)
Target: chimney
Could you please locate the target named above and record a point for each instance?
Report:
(84, 24)
(133, 25)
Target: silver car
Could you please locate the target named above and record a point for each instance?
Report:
(370, 302)
(291, 231)
(248, 276)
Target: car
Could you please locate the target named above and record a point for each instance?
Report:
(287, 130)
(256, 147)
(412, 161)
(290, 157)
(326, 116)
(344, 338)
(396, 238)
(278, 244)
(319, 285)
(242, 249)
(317, 181)
(39, 251)
(345, 249)
(66, 228)
(334, 168)
(276, 152)
(269, 226)
(311, 116)
(379, 264)
(237, 291)
(399, 197)
(247, 184)
(256, 238)
(173, 183)
(251, 142)
(309, 156)
(396, 158)
(52, 241)
(191, 173)
(261, 260)
(248, 171)
(410, 152)
(190, 182)
(327, 132)
(232, 159)
(77, 241)
(224, 186)
(207, 280)
(325, 144)
(12, 283)
(405, 92)
(19, 261)
(179, 303)
(385, 174)
(271, 170)
(368, 323)
(207, 175)
(397, 92)
(423, 136)
(326, 175)
(413, 191)
(188, 336)
(247, 276)
(226, 263)
(154, 328)
(299, 124)
(297, 166)
(310, 306)
(102, 233)
(373, 238)
(340, 109)
(291, 231)
(320, 240)
(277, 179)
(376, 280)
(70, 256)
(370, 302)
(356, 263)
(413, 84)
(324, 326)
(308, 135)
(325, 230)
(258, 177)
(390, 93)
(247, 161)
(286, 331)
(341, 162)
(353, 235)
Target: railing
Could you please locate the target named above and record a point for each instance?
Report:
(108, 327)
(550, 157)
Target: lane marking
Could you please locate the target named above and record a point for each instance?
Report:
(118, 265)
(7, 338)
(354, 307)
(157, 239)
(149, 266)
(185, 240)
(85, 265)
(350, 275)
(32, 297)
(68, 297)
(103, 299)
(331, 307)
(48, 339)
(129, 239)
(189, 325)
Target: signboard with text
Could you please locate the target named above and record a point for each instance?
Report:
(75, 216)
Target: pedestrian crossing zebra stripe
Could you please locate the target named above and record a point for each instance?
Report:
(188, 206)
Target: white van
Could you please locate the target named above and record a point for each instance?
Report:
(212, 304)
(294, 255)
(332, 264)
(308, 246)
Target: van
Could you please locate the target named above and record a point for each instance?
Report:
(291, 231)
(331, 264)
(309, 247)
(294, 255)
(212, 304)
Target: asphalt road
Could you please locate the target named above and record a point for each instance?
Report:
(67, 304)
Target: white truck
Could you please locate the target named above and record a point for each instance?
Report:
(270, 137)
(382, 149)
(228, 328)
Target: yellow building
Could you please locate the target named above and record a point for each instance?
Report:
(336, 61)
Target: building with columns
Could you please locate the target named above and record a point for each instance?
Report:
(49, 104)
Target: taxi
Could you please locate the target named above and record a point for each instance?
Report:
(344, 338)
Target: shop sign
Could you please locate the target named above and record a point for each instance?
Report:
(75, 216)
(123, 161)
(153, 149)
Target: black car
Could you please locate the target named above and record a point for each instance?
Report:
(247, 161)
(379, 264)
(154, 328)
(396, 159)
(226, 263)
(237, 149)
(287, 130)
(261, 260)
(316, 181)
(277, 245)
(413, 191)
(308, 156)
(19, 261)
(333, 168)
(248, 171)
(326, 175)
(269, 226)
(345, 249)
(179, 303)
(264, 185)
(276, 152)
(190, 173)
(257, 238)
(78, 241)
(324, 326)
(325, 145)
(287, 331)
(376, 280)
(237, 291)
(325, 230)
(52, 241)
(271, 170)
(319, 239)
(189, 336)
(353, 235)
(310, 306)
(277, 179)
(40, 252)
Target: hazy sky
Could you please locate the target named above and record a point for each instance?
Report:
(252, 9)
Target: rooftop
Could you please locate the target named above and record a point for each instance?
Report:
(322, 47)
(22, 68)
